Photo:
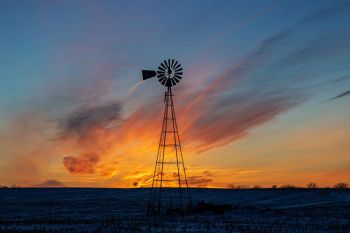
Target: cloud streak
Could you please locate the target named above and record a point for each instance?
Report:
(81, 122)
(345, 93)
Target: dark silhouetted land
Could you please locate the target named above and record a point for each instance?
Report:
(216, 210)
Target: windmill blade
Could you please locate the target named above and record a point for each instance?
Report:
(162, 65)
(161, 78)
(175, 64)
(160, 75)
(178, 76)
(176, 79)
(164, 81)
(166, 64)
(172, 63)
(169, 63)
(146, 74)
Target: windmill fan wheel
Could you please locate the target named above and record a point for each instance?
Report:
(169, 72)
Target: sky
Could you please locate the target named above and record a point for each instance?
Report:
(264, 99)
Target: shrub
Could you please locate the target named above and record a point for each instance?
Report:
(288, 186)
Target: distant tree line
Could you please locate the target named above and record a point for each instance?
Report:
(311, 185)
(13, 186)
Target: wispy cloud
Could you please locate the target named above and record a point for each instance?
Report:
(201, 180)
(80, 123)
(345, 93)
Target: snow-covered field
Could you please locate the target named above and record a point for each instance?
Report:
(123, 210)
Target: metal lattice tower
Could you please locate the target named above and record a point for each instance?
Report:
(169, 193)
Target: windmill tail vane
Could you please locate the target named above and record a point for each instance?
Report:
(169, 192)
(146, 74)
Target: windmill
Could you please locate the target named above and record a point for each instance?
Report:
(169, 192)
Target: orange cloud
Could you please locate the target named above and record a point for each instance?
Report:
(83, 164)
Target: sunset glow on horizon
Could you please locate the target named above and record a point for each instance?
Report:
(264, 99)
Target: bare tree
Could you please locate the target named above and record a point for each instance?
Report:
(341, 185)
